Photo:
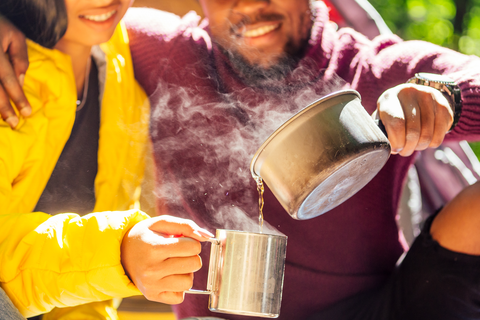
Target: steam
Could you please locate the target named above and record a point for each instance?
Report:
(206, 135)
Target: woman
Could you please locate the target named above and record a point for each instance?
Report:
(82, 151)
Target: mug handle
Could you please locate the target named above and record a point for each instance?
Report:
(212, 268)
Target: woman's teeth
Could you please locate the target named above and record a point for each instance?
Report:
(100, 17)
(260, 31)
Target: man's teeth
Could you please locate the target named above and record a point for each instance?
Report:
(100, 17)
(260, 31)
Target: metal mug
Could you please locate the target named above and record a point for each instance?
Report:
(245, 275)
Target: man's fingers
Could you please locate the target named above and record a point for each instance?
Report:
(170, 225)
(17, 51)
(443, 121)
(416, 117)
(427, 106)
(391, 112)
(11, 85)
(6, 110)
(413, 123)
(427, 120)
(441, 128)
(13, 66)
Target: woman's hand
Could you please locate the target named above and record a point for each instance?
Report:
(160, 255)
(416, 117)
(13, 66)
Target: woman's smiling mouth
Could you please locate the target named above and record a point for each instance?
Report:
(99, 17)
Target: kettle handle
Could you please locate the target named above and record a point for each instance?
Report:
(381, 126)
(212, 268)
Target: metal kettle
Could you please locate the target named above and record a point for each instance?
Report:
(322, 155)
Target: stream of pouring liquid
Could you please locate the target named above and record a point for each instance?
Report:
(260, 189)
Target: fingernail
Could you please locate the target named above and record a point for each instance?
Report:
(395, 151)
(204, 233)
(26, 111)
(21, 79)
(12, 121)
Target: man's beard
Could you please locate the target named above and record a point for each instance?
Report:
(254, 74)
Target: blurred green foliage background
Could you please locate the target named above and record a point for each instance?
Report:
(450, 23)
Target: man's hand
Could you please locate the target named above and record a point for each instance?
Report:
(160, 255)
(416, 117)
(13, 65)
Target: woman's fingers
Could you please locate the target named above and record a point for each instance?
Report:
(160, 259)
(169, 297)
(179, 227)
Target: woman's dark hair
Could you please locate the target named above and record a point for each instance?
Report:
(43, 21)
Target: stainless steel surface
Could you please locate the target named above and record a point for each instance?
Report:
(322, 156)
(247, 273)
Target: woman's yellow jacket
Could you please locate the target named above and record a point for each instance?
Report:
(65, 260)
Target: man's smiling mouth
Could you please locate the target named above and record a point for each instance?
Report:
(260, 31)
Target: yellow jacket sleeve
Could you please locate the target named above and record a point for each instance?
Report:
(90, 311)
(63, 260)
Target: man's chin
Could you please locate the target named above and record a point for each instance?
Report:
(263, 60)
(258, 71)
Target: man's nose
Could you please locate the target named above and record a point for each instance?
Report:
(247, 7)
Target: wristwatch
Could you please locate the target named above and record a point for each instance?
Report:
(447, 86)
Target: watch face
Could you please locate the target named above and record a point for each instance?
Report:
(434, 77)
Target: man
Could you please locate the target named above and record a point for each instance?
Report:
(218, 90)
